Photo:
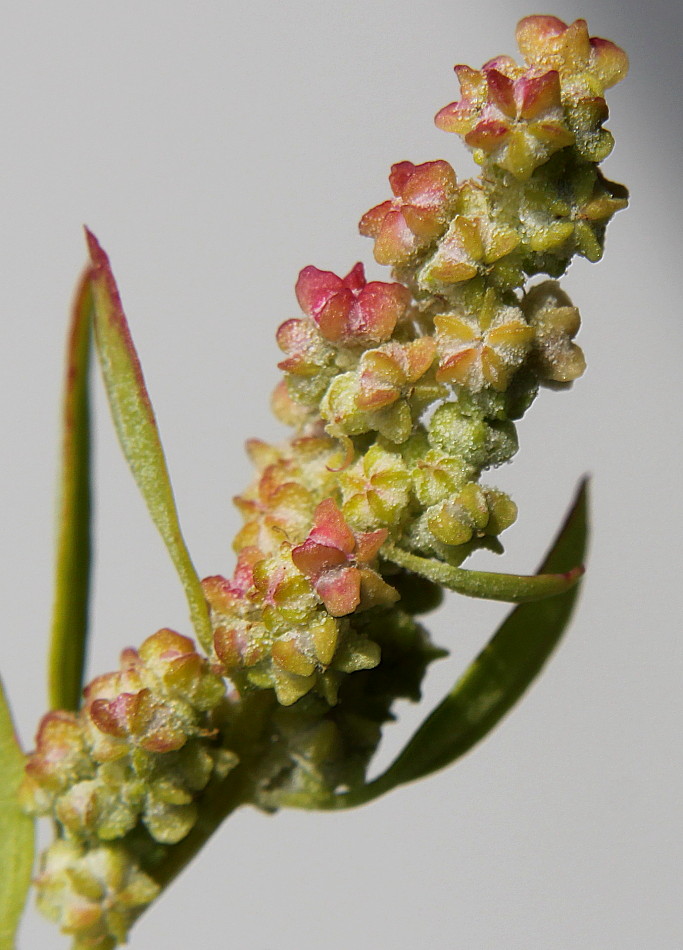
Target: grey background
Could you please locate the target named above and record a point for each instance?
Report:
(217, 148)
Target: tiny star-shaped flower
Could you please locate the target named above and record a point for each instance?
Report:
(337, 562)
(483, 349)
(549, 43)
(350, 310)
(416, 215)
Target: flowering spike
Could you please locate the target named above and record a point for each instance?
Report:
(400, 396)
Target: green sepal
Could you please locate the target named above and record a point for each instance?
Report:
(72, 570)
(494, 681)
(16, 831)
(137, 429)
(511, 588)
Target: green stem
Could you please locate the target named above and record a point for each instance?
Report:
(512, 588)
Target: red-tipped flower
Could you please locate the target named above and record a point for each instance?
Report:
(548, 42)
(515, 117)
(417, 214)
(337, 562)
(349, 310)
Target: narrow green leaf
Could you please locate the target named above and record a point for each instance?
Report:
(512, 588)
(72, 575)
(16, 831)
(137, 430)
(495, 680)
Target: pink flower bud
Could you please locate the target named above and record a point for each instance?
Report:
(349, 310)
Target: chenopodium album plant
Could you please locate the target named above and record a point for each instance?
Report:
(400, 396)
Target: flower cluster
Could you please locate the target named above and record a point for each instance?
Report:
(93, 893)
(516, 117)
(138, 754)
(401, 395)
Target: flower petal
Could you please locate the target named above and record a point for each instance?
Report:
(340, 590)
(315, 287)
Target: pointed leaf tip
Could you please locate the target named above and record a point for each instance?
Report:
(98, 255)
(105, 289)
(101, 266)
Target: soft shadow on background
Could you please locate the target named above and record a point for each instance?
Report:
(216, 150)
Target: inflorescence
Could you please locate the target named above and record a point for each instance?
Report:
(401, 395)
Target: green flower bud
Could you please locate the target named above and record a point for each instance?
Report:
(472, 513)
(94, 895)
(477, 442)
(556, 323)
(375, 490)
(437, 476)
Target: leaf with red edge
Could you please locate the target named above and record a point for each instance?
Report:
(137, 429)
